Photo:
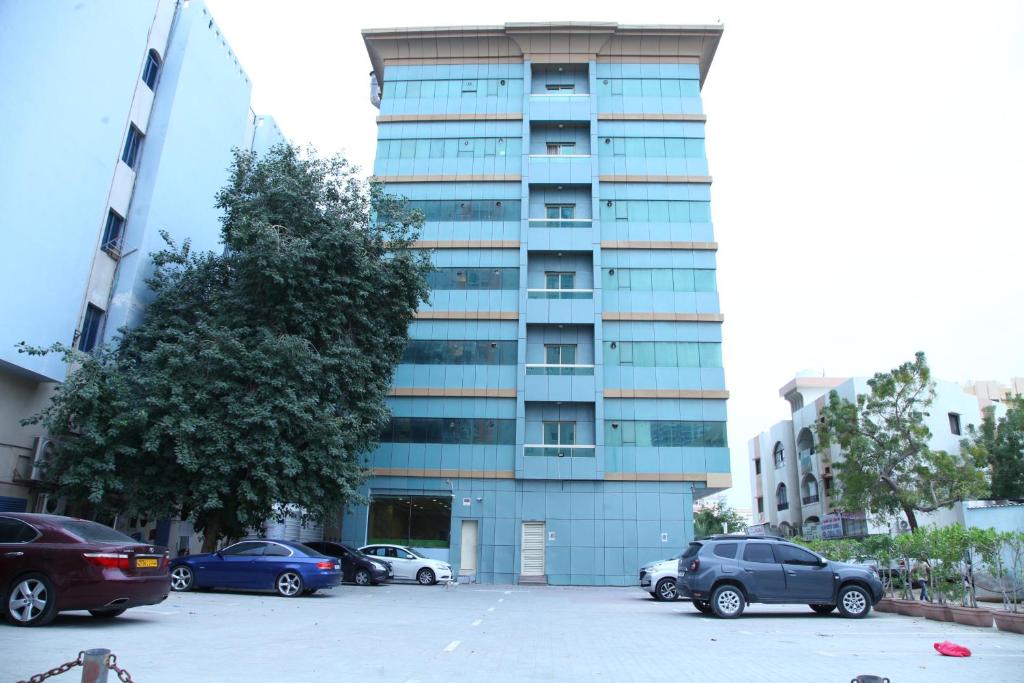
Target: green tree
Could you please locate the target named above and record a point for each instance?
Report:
(708, 520)
(259, 375)
(1001, 444)
(886, 465)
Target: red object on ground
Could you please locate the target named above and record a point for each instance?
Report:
(949, 649)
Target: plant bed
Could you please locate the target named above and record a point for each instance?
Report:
(936, 612)
(886, 605)
(1012, 622)
(972, 616)
(908, 608)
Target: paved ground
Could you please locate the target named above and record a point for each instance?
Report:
(409, 633)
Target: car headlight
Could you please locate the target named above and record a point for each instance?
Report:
(378, 565)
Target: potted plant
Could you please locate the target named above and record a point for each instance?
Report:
(882, 549)
(1010, 567)
(942, 548)
(982, 544)
(907, 548)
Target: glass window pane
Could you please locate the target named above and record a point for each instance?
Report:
(700, 212)
(551, 354)
(638, 211)
(679, 212)
(665, 354)
(675, 148)
(670, 87)
(640, 279)
(635, 147)
(651, 87)
(682, 280)
(631, 87)
(661, 279)
(567, 432)
(687, 354)
(704, 280)
(654, 147)
(710, 355)
(695, 148)
(550, 432)
(658, 211)
(643, 354)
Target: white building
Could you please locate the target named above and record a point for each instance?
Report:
(792, 480)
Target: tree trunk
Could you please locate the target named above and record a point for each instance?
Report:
(911, 517)
(211, 535)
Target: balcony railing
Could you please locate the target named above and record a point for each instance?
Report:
(551, 369)
(560, 156)
(559, 450)
(560, 293)
(811, 499)
(782, 506)
(561, 222)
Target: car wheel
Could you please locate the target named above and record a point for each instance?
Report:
(665, 591)
(107, 613)
(32, 601)
(854, 602)
(289, 584)
(363, 578)
(727, 602)
(822, 609)
(182, 578)
(703, 606)
(426, 577)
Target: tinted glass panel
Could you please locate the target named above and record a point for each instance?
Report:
(691, 550)
(669, 433)
(467, 209)
(91, 532)
(758, 552)
(275, 550)
(15, 531)
(459, 352)
(790, 554)
(447, 148)
(726, 550)
(244, 548)
(453, 430)
(474, 278)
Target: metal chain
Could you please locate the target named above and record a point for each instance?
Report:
(122, 675)
(56, 671)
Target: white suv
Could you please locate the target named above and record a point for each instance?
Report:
(659, 578)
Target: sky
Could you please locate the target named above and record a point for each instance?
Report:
(868, 165)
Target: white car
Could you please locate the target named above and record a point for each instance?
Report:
(410, 565)
(659, 578)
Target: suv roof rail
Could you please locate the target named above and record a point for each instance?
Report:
(739, 537)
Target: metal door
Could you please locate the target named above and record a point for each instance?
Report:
(532, 556)
(467, 557)
(762, 572)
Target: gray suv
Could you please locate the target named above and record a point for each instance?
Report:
(723, 574)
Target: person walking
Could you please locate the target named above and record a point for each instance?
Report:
(921, 574)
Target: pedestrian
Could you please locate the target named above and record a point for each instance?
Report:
(921, 574)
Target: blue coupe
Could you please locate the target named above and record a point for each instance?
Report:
(287, 567)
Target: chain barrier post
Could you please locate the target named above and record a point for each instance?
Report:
(94, 666)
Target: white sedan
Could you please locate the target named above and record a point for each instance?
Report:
(659, 578)
(409, 564)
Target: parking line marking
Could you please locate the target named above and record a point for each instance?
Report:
(452, 645)
(490, 609)
(508, 592)
(501, 599)
(477, 622)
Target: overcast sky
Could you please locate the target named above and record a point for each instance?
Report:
(868, 169)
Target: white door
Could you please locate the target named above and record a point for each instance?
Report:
(533, 549)
(467, 563)
(404, 563)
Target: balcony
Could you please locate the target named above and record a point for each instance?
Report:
(808, 500)
(560, 293)
(560, 222)
(548, 369)
(560, 450)
(560, 168)
(560, 106)
(806, 461)
(782, 506)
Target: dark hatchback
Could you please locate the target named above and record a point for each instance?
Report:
(49, 564)
(356, 567)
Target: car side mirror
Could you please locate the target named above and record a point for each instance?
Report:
(822, 563)
(219, 554)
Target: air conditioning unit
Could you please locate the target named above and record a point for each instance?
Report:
(904, 525)
(43, 449)
(49, 504)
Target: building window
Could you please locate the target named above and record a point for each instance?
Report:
(760, 504)
(954, 423)
(450, 430)
(560, 354)
(757, 466)
(113, 231)
(781, 499)
(132, 144)
(151, 70)
(779, 455)
(459, 352)
(559, 280)
(468, 86)
(560, 87)
(92, 326)
(559, 433)
(556, 211)
(560, 148)
(467, 209)
(809, 490)
(474, 278)
(664, 433)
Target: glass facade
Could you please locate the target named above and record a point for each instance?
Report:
(573, 305)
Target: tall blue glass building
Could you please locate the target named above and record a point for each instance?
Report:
(562, 400)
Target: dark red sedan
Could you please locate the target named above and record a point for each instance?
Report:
(50, 564)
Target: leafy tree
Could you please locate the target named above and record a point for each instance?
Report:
(708, 520)
(1001, 444)
(887, 466)
(259, 375)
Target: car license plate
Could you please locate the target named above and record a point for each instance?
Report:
(146, 562)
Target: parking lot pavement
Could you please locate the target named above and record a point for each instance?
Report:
(409, 633)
